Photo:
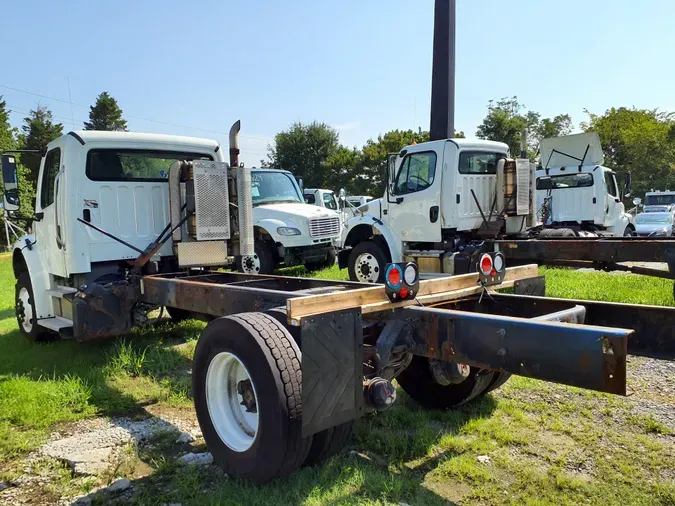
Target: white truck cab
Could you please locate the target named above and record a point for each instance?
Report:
(287, 228)
(102, 203)
(575, 191)
(659, 201)
(321, 197)
(428, 203)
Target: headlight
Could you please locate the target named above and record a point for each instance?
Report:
(288, 231)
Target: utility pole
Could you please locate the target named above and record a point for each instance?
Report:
(443, 72)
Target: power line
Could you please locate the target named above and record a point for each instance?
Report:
(134, 117)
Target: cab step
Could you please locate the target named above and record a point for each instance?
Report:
(57, 324)
(62, 292)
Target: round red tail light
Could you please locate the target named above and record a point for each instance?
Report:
(394, 276)
(485, 264)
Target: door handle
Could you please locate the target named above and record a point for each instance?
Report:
(433, 214)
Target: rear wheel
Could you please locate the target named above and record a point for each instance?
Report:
(498, 380)
(366, 263)
(247, 393)
(418, 382)
(26, 316)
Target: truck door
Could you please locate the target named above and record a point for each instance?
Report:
(48, 226)
(613, 205)
(414, 206)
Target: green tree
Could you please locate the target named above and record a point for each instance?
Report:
(38, 130)
(638, 140)
(304, 149)
(372, 176)
(7, 133)
(105, 114)
(342, 168)
(505, 122)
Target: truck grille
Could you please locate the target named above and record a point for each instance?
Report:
(322, 227)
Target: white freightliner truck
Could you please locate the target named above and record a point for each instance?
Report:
(444, 195)
(576, 192)
(287, 228)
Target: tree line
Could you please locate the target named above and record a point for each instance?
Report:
(641, 141)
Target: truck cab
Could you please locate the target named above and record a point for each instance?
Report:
(435, 194)
(287, 228)
(102, 198)
(575, 191)
(659, 201)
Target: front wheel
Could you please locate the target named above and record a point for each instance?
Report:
(26, 316)
(367, 263)
(262, 261)
(246, 384)
(628, 232)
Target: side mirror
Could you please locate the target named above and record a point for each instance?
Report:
(637, 201)
(544, 183)
(10, 199)
(301, 185)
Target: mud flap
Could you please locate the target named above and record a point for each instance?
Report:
(332, 356)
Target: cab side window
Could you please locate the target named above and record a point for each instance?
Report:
(329, 201)
(52, 164)
(610, 184)
(416, 173)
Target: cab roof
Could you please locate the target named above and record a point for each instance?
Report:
(128, 137)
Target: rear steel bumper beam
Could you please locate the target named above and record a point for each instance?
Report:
(578, 355)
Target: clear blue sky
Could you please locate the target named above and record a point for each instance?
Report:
(362, 66)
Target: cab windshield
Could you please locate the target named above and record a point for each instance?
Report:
(269, 187)
(659, 200)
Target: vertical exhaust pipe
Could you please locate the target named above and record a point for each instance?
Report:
(234, 144)
(244, 196)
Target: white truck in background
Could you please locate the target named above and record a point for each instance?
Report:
(288, 229)
(576, 194)
(659, 201)
(443, 197)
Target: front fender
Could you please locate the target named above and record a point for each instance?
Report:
(26, 258)
(355, 225)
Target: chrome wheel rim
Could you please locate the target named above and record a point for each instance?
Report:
(367, 268)
(232, 401)
(25, 310)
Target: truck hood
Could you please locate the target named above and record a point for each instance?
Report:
(570, 149)
(294, 210)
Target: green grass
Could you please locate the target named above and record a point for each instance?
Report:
(548, 444)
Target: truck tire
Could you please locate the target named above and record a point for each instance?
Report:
(262, 262)
(498, 380)
(329, 442)
(629, 231)
(25, 311)
(247, 390)
(367, 263)
(418, 383)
